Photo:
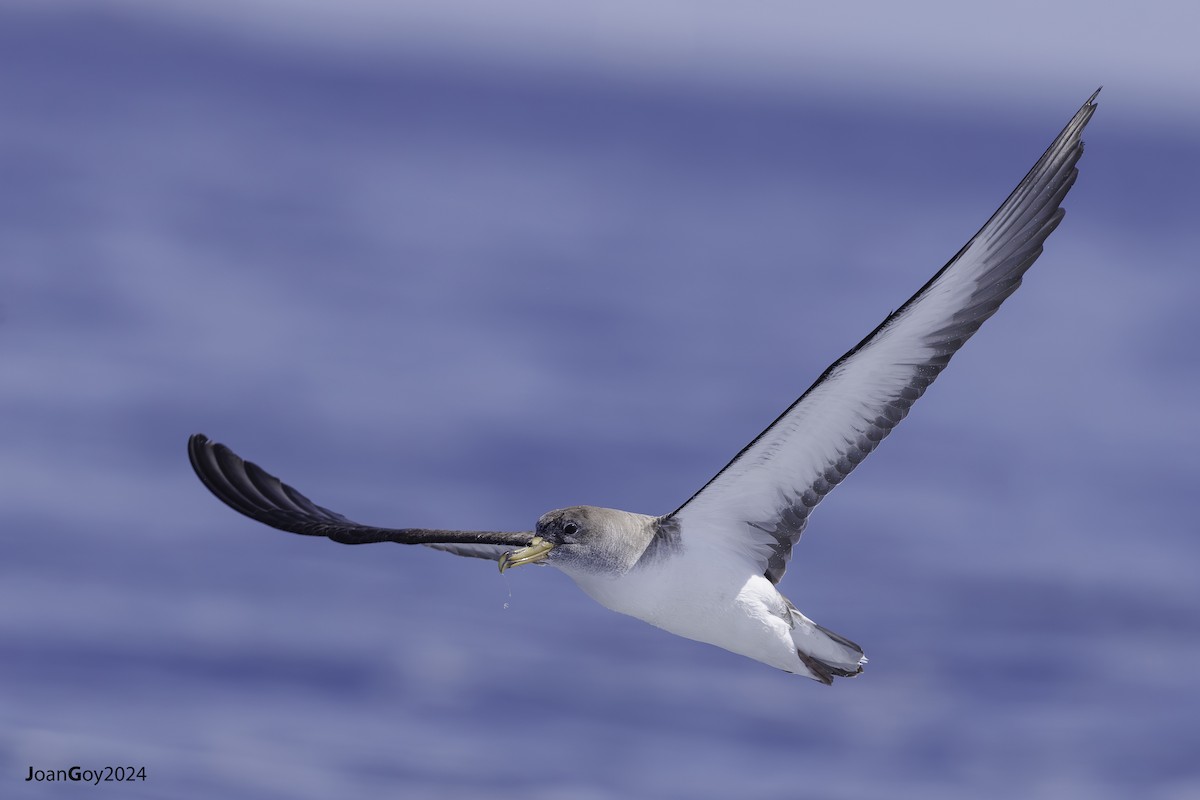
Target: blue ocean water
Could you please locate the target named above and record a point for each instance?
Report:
(428, 293)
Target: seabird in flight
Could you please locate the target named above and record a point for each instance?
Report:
(709, 570)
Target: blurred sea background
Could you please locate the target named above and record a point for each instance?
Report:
(455, 264)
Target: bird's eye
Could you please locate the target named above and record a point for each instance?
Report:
(570, 529)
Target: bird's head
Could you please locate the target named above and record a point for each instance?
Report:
(581, 539)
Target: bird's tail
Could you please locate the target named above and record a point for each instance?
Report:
(825, 654)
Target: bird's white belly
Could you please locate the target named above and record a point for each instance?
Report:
(711, 600)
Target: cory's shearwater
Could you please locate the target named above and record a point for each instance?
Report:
(708, 570)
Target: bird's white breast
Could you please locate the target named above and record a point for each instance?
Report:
(707, 596)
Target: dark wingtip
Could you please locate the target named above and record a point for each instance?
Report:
(196, 444)
(250, 490)
(198, 448)
(205, 456)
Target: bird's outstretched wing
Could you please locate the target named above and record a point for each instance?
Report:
(760, 502)
(249, 489)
